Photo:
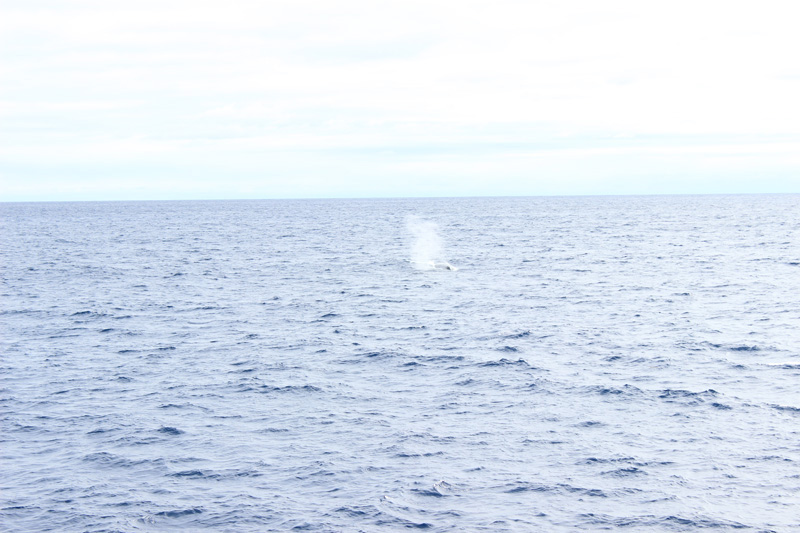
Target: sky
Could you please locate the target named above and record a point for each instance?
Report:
(177, 99)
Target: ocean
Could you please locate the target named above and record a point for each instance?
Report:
(463, 364)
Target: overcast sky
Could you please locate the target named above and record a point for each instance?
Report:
(175, 99)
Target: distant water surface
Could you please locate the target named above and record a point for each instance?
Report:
(594, 363)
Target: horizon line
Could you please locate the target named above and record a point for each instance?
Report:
(335, 198)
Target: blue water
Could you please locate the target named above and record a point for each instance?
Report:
(594, 364)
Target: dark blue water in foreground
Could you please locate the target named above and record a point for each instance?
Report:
(595, 363)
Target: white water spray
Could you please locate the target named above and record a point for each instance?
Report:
(427, 249)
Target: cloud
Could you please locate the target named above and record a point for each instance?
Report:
(394, 85)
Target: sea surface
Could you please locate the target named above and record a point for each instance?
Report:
(590, 363)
